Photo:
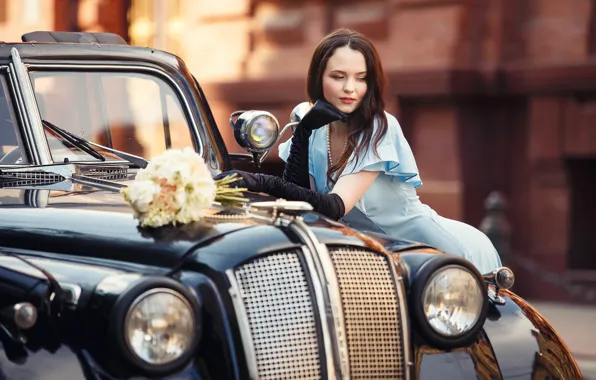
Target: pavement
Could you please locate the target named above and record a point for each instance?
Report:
(576, 324)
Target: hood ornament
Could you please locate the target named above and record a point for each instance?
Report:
(265, 210)
(281, 206)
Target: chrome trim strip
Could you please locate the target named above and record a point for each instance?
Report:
(30, 110)
(313, 273)
(162, 73)
(333, 312)
(24, 121)
(26, 132)
(242, 318)
(400, 290)
(98, 183)
(64, 170)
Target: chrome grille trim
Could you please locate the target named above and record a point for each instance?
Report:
(339, 367)
(104, 172)
(321, 307)
(242, 318)
(280, 336)
(29, 178)
(403, 311)
(373, 323)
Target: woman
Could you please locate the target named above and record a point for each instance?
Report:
(359, 167)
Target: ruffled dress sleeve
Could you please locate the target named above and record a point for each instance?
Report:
(394, 156)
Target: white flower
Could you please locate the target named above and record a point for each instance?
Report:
(175, 187)
(141, 194)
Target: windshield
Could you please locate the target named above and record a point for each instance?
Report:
(132, 112)
(64, 149)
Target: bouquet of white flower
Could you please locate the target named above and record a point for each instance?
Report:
(176, 187)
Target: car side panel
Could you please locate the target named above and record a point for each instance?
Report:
(525, 344)
(474, 362)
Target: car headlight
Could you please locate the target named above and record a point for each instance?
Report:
(256, 131)
(448, 300)
(263, 131)
(160, 326)
(154, 325)
(452, 301)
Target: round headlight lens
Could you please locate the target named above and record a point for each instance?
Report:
(160, 326)
(263, 132)
(452, 301)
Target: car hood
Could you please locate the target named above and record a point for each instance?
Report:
(86, 221)
(95, 223)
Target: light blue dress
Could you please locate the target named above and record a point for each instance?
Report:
(391, 203)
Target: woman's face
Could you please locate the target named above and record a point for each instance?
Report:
(344, 79)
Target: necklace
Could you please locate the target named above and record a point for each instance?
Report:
(329, 146)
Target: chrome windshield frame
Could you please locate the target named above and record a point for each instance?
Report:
(33, 132)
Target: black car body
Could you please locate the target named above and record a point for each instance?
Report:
(277, 291)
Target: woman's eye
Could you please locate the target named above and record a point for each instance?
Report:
(337, 77)
(361, 79)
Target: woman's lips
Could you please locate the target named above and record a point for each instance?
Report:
(347, 100)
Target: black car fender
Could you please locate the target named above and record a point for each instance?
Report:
(525, 344)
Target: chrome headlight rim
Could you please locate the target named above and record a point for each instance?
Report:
(120, 314)
(242, 129)
(423, 276)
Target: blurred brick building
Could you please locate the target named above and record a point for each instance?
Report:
(492, 95)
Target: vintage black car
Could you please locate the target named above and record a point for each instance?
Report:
(267, 291)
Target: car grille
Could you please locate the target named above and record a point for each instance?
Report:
(29, 178)
(111, 172)
(281, 317)
(371, 314)
(283, 324)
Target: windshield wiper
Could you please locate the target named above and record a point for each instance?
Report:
(75, 140)
(88, 147)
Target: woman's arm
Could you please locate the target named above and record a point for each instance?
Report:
(320, 114)
(348, 189)
(352, 187)
(296, 170)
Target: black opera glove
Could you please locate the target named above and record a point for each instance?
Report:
(330, 205)
(320, 114)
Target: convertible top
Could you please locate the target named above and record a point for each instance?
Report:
(73, 37)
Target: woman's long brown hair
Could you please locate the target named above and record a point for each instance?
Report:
(361, 123)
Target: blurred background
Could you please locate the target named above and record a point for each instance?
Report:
(493, 95)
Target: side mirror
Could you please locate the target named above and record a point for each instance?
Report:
(296, 116)
(299, 111)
